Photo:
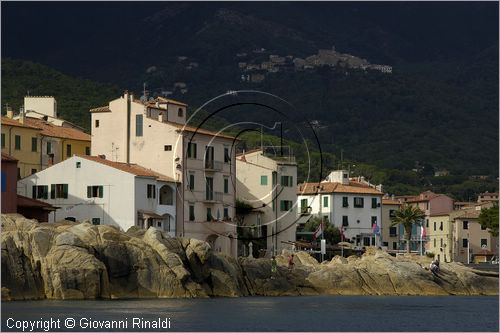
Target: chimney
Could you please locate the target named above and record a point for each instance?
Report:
(21, 115)
(10, 113)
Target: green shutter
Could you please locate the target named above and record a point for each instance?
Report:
(33, 193)
(101, 191)
(65, 191)
(53, 191)
(263, 180)
(46, 192)
(89, 191)
(325, 201)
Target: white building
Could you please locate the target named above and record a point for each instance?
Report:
(105, 192)
(155, 135)
(267, 182)
(344, 203)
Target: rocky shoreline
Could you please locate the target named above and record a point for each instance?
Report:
(68, 260)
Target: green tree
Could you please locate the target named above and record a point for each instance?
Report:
(331, 233)
(407, 216)
(489, 219)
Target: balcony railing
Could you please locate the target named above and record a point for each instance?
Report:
(211, 197)
(211, 165)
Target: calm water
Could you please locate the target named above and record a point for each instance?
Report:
(315, 313)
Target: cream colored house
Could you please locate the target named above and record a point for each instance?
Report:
(155, 135)
(439, 229)
(267, 182)
(390, 234)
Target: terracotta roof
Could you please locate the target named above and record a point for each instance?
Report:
(186, 128)
(100, 109)
(330, 187)
(170, 101)
(23, 201)
(8, 158)
(13, 122)
(134, 169)
(58, 131)
(390, 202)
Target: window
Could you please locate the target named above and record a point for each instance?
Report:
(274, 177)
(191, 213)
(226, 185)
(483, 227)
(434, 242)
(374, 220)
(87, 151)
(17, 142)
(434, 226)
(286, 180)
(427, 223)
(440, 242)
(40, 192)
(374, 203)
(359, 202)
(180, 112)
(209, 214)
(18, 173)
(209, 156)
(97, 123)
(34, 144)
(95, 191)
(366, 241)
(167, 147)
(191, 152)
(394, 245)
(191, 182)
(345, 202)
(226, 213)
(209, 188)
(484, 242)
(263, 180)
(151, 191)
(465, 242)
(138, 125)
(68, 150)
(3, 140)
(393, 231)
(465, 225)
(49, 147)
(59, 191)
(441, 226)
(345, 221)
(392, 213)
(78, 165)
(166, 195)
(33, 171)
(303, 205)
(96, 221)
(227, 157)
(325, 201)
(285, 205)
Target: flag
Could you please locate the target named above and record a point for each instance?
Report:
(318, 231)
(422, 232)
(376, 229)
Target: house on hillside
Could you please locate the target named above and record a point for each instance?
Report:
(155, 135)
(347, 204)
(105, 192)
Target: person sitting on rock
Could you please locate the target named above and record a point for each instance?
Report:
(435, 266)
(290, 262)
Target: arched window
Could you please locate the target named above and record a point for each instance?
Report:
(166, 195)
(180, 113)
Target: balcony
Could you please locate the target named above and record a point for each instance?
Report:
(211, 165)
(213, 197)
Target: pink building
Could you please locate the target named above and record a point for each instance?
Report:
(9, 184)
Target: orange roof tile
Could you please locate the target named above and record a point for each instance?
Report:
(58, 131)
(390, 202)
(134, 169)
(170, 101)
(8, 158)
(330, 187)
(13, 122)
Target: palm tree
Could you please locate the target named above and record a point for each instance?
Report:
(407, 216)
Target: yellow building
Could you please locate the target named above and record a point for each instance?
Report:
(439, 231)
(390, 234)
(38, 144)
(23, 142)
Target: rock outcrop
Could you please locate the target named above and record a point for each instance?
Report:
(68, 260)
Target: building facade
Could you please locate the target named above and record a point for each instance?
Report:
(105, 192)
(347, 204)
(267, 182)
(390, 236)
(439, 237)
(155, 135)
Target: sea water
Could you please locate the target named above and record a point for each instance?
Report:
(305, 313)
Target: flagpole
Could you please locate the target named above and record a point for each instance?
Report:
(322, 237)
(342, 240)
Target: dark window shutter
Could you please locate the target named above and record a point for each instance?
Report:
(65, 191)
(33, 194)
(89, 191)
(101, 191)
(53, 191)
